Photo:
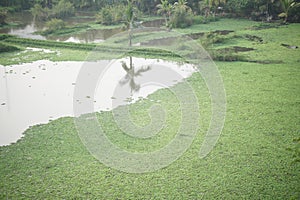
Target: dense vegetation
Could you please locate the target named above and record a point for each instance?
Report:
(267, 10)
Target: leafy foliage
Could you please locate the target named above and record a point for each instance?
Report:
(63, 9)
(182, 16)
(287, 6)
(105, 16)
(55, 24)
(111, 14)
(165, 8)
(39, 12)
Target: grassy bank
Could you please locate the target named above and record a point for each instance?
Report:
(253, 159)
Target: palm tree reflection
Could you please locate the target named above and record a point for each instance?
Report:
(131, 74)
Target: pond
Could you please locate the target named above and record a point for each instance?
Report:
(34, 93)
(28, 26)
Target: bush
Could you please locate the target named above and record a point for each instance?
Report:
(39, 12)
(199, 19)
(294, 15)
(105, 17)
(181, 18)
(55, 24)
(63, 9)
(109, 15)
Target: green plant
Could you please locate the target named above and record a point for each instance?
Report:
(165, 8)
(182, 16)
(111, 14)
(287, 6)
(105, 16)
(55, 24)
(63, 9)
(39, 12)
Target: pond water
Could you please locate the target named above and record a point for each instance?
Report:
(34, 93)
(29, 26)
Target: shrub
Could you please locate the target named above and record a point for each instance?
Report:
(39, 12)
(199, 19)
(105, 17)
(109, 15)
(181, 18)
(63, 9)
(55, 24)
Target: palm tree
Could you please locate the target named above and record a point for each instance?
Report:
(129, 19)
(287, 5)
(165, 8)
(182, 5)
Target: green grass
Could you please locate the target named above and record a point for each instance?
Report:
(222, 24)
(253, 159)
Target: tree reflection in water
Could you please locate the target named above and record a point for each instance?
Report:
(131, 74)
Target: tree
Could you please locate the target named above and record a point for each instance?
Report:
(215, 3)
(165, 8)
(105, 16)
(182, 15)
(287, 6)
(129, 19)
(182, 5)
(39, 12)
(55, 24)
(63, 9)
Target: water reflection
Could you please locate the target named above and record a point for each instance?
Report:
(37, 92)
(88, 36)
(131, 73)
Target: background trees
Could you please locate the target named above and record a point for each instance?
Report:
(182, 15)
(265, 10)
(165, 9)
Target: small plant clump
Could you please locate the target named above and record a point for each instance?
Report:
(54, 25)
(111, 14)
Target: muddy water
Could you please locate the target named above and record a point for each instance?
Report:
(29, 26)
(34, 93)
